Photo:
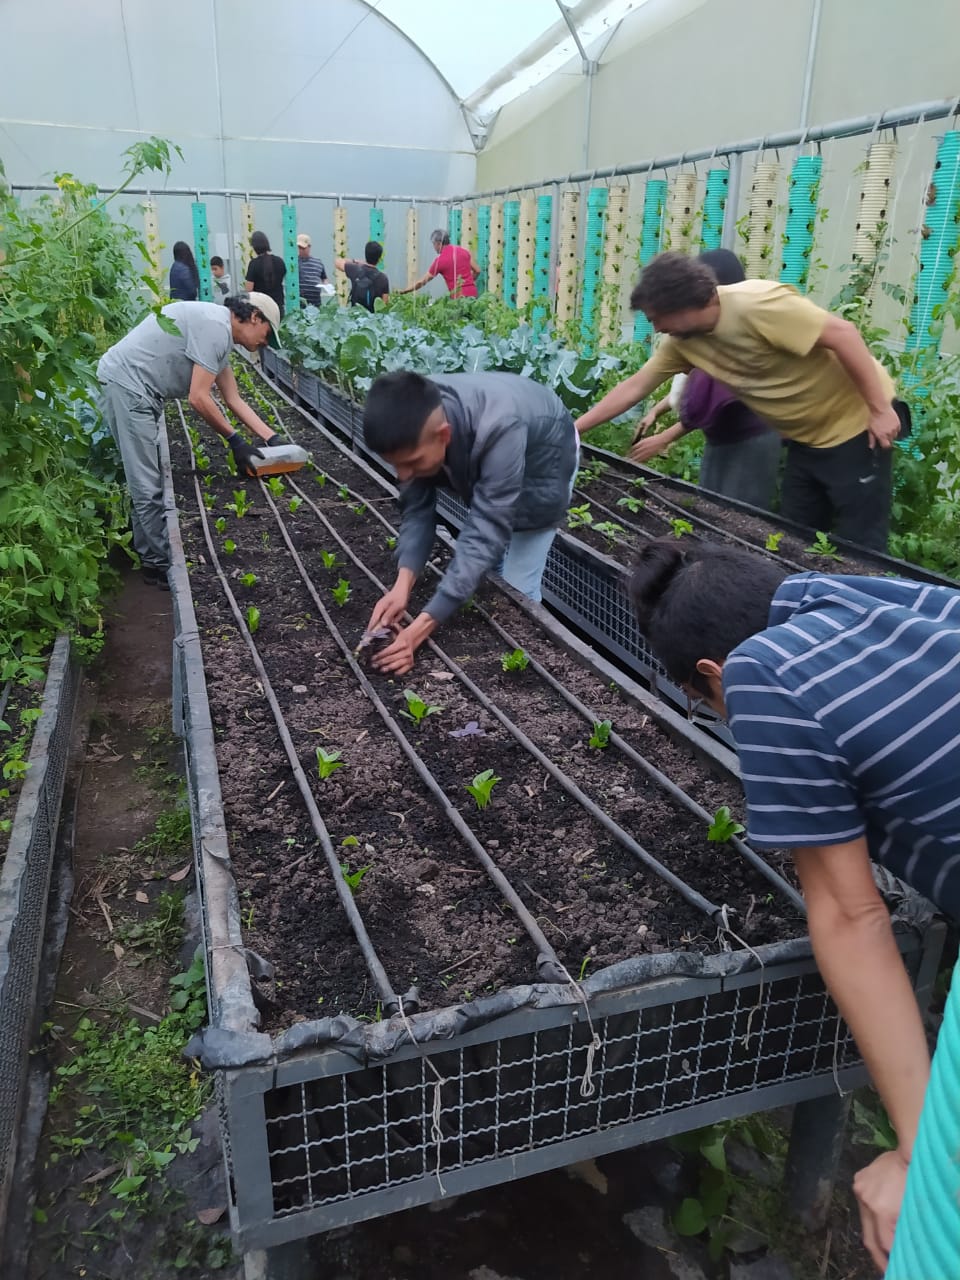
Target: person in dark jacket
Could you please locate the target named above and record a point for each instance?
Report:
(741, 454)
(504, 444)
(184, 276)
(266, 271)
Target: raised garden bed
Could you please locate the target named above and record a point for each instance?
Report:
(431, 1010)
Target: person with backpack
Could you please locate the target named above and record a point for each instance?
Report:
(456, 265)
(367, 281)
(266, 271)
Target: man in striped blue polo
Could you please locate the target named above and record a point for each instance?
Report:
(843, 697)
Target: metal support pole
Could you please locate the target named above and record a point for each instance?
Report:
(813, 1157)
(811, 62)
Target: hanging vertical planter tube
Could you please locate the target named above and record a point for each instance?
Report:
(376, 225)
(413, 231)
(340, 250)
(495, 263)
(454, 221)
(468, 230)
(247, 228)
(527, 247)
(511, 249)
(541, 263)
(714, 204)
(761, 219)
(872, 231)
(651, 233)
(483, 246)
(614, 243)
(151, 238)
(567, 258)
(801, 221)
(201, 250)
(291, 281)
(597, 198)
(681, 213)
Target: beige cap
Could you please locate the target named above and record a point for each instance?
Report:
(270, 312)
(303, 241)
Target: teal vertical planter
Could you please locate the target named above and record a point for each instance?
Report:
(927, 1241)
(511, 250)
(376, 225)
(651, 232)
(201, 250)
(801, 221)
(291, 281)
(597, 199)
(714, 204)
(454, 225)
(483, 245)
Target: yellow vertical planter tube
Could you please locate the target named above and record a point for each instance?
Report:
(681, 213)
(527, 248)
(876, 190)
(614, 244)
(244, 252)
(495, 269)
(413, 251)
(151, 238)
(759, 262)
(340, 251)
(468, 229)
(567, 256)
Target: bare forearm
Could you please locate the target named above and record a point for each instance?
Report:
(844, 340)
(623, 397)
(208, 409)
(864, 973)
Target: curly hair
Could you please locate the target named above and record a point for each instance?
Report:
(672, 282)
(242, 309)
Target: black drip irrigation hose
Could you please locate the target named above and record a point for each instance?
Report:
(388, 997)
(549, 966)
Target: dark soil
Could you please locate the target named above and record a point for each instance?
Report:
(593, 899)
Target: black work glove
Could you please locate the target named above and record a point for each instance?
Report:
(274, 440)
(243, 453)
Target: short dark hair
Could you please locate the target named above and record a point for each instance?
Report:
(372, 251)
(216, 261)
(700, 600)
(673, 282)
(397, 407)
(724, 264)
(242, 309)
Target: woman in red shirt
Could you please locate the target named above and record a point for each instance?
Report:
(457, 266)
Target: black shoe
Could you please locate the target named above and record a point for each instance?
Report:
(155, 575)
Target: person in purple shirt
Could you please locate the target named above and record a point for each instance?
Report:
(741, 454)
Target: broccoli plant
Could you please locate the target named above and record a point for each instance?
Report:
(276, 486)
(353, 879)
(481, 787)
(240, 505)
(578, 517)
(341, 592)
(632, 504)
(723, 827)
(418, 710)
(253, 619)
(773, 541)
(329, 559)
(680, 527)
(600, 738)
(822, 546)
(328, 762)
(517, 660)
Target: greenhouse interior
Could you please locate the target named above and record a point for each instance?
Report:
(479, 640)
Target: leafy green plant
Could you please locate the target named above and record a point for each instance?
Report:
(418, 710)
(295, 504)
(358, 508)
(321, 478)
(229, 547)
(680, 527)
(248, 579)
(608, 529)
(341, 592)
(600, 738)
(516, 660)
(343, 492)
(353, 879)
(724, 826)
(276, 486)
(482, 786)
(871, 1124)
(220, 524)
(328, 762)
(241, 504)
(253, 619)
(329, 559)
(632, 504)
(391, 543)
(579, 517)
(822, 546)
(773, 541)
(172, 831)
(160, 932)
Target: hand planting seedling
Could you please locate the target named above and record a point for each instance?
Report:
(329, 559)
(341, 592)
(328, 762)
(295, 505)
(253, 619)
(481, 787)
(240, 505)
(229, 547)
(822, 546)
(418, 710)
(220, 524)
(247, 579)
(515, 661)
(600, 738)
(724, 826)
(372, 637)
(773, 541)
(276, 486)
(632, 504)
(680, 527)
(577, 517)
(353, 878)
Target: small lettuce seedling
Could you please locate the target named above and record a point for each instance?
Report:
(229, 547)
(353, 878)
(724, 826)
(773, 542)
(358, 508)
(220, 524)
(418, 710)
(253, 619)
(341, 592)
(633, 505)
(343, 492)
(248, 579)
(276, 486)
(481, 787)
(328, 762)
(822, 546)
(639, 482)
(391, 543)
(600, 738)
(680, 527)
(295, 504)
(517, 660)
(321, 478)
(240, 505)
(577, 517)
(608, 529)
(329, 559)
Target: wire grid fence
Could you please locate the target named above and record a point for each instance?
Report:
(24, 889)
(365, 1131)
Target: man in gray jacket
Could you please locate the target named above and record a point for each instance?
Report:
(506, 446)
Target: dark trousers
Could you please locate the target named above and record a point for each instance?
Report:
(844, 490)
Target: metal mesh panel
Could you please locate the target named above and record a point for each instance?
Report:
(363, 1132)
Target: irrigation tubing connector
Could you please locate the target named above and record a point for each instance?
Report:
(378, 974)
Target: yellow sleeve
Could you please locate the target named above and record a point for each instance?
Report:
(666, 361)
(786, 319)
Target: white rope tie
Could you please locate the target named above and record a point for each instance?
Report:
(725, 928)
(436, 1133)
(587, 1087)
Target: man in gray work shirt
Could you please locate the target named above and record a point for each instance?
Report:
(507, 447)
(150, 366)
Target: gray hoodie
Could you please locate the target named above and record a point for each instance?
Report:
(511, 457)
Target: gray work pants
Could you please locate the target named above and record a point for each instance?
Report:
(134, 422)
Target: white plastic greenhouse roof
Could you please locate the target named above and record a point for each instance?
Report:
(491, 51)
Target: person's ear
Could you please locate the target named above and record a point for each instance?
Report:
(444, 433)
(712, 670)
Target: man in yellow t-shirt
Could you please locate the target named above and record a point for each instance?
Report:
(804, 371)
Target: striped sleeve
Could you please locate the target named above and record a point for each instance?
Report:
(797, 785)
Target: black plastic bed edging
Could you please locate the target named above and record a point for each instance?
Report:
(337, 1120)
(24, 890)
